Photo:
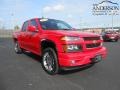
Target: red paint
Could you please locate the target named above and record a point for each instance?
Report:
(32, 38)
(111, 36)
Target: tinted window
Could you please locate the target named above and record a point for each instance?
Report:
(51, 24)
(33, 23)
(25, 26)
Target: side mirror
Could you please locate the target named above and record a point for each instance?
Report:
(32, 28)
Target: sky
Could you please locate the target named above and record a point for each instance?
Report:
(78, 13)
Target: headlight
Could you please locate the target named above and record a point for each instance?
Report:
(70, 38)
(72, 48)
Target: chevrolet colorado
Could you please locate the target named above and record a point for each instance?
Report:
(59, 44)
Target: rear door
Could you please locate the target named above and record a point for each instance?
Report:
(22, 37)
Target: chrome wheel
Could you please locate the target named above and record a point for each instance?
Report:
(17, 48)
(48, 62)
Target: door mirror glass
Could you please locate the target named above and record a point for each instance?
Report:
(32, 28)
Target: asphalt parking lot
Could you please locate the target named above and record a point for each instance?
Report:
(24, 72)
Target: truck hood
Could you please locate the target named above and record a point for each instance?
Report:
(71, 33)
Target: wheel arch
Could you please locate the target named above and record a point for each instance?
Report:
(15, 39)
(48, 43)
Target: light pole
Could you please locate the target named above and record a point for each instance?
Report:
(12, 20)
(112, 20)
(0, 24)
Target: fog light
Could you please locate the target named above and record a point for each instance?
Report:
(72, 61)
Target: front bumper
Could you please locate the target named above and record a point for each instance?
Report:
(110, 38)
(80, 58)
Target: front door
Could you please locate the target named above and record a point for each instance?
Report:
(33, 38)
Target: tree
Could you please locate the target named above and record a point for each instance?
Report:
(16, 27)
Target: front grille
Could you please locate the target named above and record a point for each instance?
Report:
(91, 38)
(93, 45)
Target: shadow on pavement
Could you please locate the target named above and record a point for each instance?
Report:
(62, 72)
(33, 56)
(65, 72)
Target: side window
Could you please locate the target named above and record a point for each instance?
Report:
(61, 26)
(25, 26)
(34, 23)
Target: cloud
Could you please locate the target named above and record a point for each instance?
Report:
(56, 8)
(47, 9)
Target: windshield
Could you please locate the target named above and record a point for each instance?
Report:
(51, 24)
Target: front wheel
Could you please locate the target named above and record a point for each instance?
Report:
(50, 61)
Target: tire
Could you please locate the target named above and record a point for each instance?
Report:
(17, 48)
(50, 61)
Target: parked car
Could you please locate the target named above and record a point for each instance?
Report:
(60, 46)
(110, 36)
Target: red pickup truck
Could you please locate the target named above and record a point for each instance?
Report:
(60, 46)
(111, 36)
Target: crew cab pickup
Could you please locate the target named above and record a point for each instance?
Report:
(59, 45)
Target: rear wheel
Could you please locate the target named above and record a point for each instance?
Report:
(17, 48)
(50, 61)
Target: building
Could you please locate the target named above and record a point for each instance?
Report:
(100, 30)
